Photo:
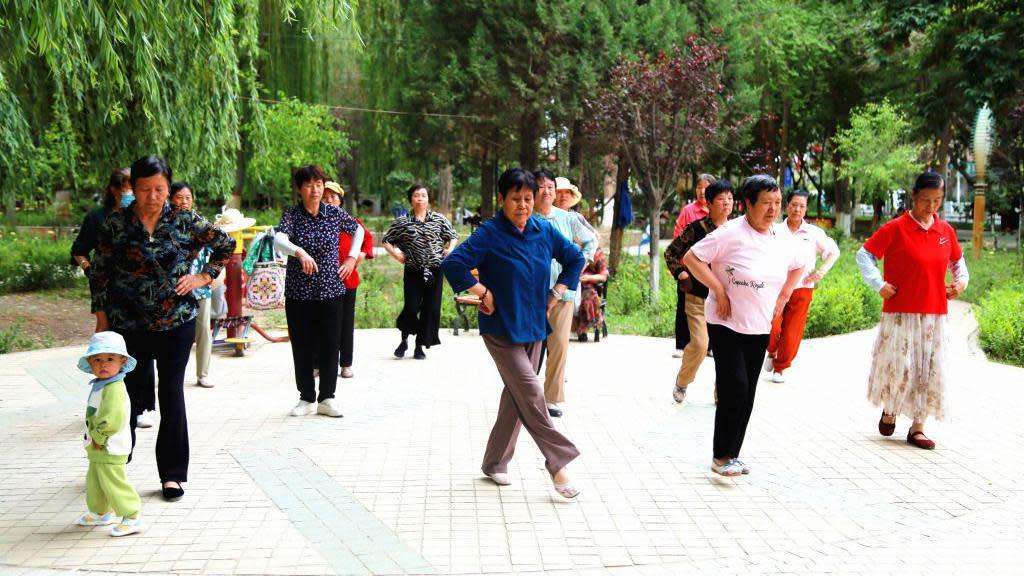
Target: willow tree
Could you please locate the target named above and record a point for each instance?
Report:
(663, 108)
(171, 78)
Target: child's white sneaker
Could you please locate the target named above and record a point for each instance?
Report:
(90, 519)
(127, 526)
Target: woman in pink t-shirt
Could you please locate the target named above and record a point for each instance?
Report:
(750, 269)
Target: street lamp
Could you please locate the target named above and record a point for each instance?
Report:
(982, 148)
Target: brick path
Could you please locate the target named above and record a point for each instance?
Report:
(393, 487)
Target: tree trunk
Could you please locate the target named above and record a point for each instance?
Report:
(487, 182)
(843, 205)
(784, 144)
(615, 250)
(654, 210)
(529, 137)
(240, 164)
(444, 189)
(876, 220)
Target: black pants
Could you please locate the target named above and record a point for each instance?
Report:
(313, 328)
(421, 312)
(147, 392)
(348, 326)
(738, 359)
(169, 350)
(682, 327)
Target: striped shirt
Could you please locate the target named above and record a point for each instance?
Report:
(423, 243)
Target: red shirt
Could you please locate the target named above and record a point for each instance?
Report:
(345, 244)
(915, 262)
(690, 213)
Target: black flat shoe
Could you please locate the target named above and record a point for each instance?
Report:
(555, 412)
(400, 351)
(418, 354)
(172, 494)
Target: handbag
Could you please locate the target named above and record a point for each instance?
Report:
(265, 288)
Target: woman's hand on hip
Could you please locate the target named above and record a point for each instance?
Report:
(345, 270)
(955, 289)
(812, 278)
(887, 291)
(190, 282)
(722, 305)
(487, 304)
(308, 264)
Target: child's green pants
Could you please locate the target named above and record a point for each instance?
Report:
(107, 488)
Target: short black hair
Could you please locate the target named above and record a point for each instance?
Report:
(754, 185)
(516, 178)
(414, 187)
(543, 173)
(306, 173)
(794, 193)
(179, 186)
(716, 188)
(929, 180)
(150, 166)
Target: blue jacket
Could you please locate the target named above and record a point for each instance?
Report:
(515, 266)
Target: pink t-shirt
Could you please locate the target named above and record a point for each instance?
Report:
(753, 267)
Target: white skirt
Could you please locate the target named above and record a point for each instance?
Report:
(908, 376)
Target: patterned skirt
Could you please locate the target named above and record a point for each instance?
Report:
(907, 371)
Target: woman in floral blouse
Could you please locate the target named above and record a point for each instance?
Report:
(142, 289)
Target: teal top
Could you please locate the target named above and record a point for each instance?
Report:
(573, 230)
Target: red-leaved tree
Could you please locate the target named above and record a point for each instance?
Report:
(663, 110)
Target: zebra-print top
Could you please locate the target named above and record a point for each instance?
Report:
(423, 243)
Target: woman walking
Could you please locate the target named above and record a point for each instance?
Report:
(720, 203)
(788, 328)
(333, 195)
(419, 241)
(688, 214)
(560, 315)
(750, 270)
(513, 253)
(907, 368)
(144, 291)
(314, 287)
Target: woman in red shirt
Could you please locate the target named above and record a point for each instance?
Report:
(907, 374)
(333, 194)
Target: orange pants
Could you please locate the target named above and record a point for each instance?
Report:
(788, 329)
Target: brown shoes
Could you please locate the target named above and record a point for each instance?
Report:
(884, 428)
(920, 440)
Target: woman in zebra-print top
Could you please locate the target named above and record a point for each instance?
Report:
(420, 241)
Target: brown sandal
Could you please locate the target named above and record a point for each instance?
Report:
(920, 440)
(886, 428)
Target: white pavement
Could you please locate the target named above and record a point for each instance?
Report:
(394, 486)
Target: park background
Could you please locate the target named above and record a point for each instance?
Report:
(848, 100)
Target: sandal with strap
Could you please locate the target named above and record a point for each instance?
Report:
(886, 428)
(567, 491)
(920, 440)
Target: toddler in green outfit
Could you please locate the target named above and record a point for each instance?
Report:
(108, 441)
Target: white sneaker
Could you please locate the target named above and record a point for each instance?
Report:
(90, 519)
(303, 408)
(204, 383)
(144, 420)
(778, 378)
(346, 372)
(329, 407)
(769, 363)
(500, 478)
(677, 354)
(128, 526)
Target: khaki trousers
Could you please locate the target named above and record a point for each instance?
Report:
(522, 404)
(697, 349)
(560, 319)
(204, 346)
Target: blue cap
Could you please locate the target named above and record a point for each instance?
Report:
(106, 343)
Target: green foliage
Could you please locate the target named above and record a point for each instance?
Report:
(994, 270)
(877, 157)
(14, 338)
(1000, 315)
(296, 134)
(31, 263)
(842, 301)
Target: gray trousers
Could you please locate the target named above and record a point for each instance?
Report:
(522, 404)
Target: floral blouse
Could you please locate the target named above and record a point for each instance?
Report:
(318, 236)
(135, 273)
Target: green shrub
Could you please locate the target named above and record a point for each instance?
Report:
(13, 338)
(1000, 315)
(34, 263)
(842, 303)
